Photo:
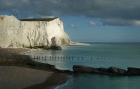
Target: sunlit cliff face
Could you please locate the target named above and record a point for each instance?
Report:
(30, 33)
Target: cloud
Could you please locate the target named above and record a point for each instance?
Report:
(41, 16)
(92, 24)
(120, 12)
(72, 26)
(121, 22)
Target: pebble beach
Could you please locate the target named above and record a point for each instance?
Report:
(18, 77)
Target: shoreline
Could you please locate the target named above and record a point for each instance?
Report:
(7, 61)
(54, 80)
(21, 76)
(12, 77)
(25, 61)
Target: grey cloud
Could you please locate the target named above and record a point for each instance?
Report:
(72, 26)
(121, 22)
(110, 12)
(92, 24)
(13, 4)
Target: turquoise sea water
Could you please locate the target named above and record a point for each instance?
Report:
(121, 55)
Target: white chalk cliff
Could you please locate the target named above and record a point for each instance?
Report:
(19, 33)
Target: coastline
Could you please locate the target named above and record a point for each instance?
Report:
(13, 50)
(78, 44)
(27, 78)
(58, 77)
(48, 80)
(55, 79)
(12, 77)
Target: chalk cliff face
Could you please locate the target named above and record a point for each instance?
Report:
(25, 33)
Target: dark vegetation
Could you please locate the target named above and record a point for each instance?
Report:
(38, 19)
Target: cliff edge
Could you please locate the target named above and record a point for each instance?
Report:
(32, 32)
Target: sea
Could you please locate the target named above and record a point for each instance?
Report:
(120, 55)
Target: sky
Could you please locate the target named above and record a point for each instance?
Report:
(84, 20)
